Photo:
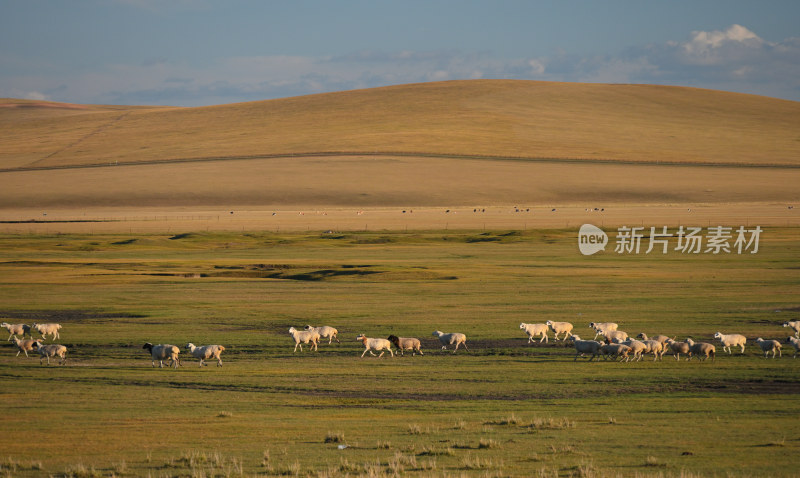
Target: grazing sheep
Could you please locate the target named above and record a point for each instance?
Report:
(638, 348)
(586, 347)
(378, 345)
(451, 338)
(25, 345)
(795, 325)
(731, 339)
(678, 348)
(701, 350)
(17, 329)
(51, 350)
(48, 329)
(406, 343)
(163, 352)
(600, 328)
(304, 336)
(616, 351)
(768, 346)
(795, 342)
(559, 327)
(535, 329)
(615, 336)
(325, 331)
(206, 352)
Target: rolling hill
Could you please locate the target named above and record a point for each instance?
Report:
(459, 142)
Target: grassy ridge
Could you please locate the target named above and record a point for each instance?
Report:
(503, 408)
(483, 117)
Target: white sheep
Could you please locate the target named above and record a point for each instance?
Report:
(17, 329)
(660, 338)
(678, 348)
(768, 346)
(535, 329)
(795, 325)
(701, 350)
(654, 347)
(304, 336)
(163, 352)
(48, 329)
(731, 339)
(406, 343)
(616, 351)
(378, 345)
(451, 338)
(325, 331)
(586, 347)
(51, 350)
(638, 348)
(795, 342)
(615, 336)
(559, 327)
(25, 345)
(206, 352)
(600, 328)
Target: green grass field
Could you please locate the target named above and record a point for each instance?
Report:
(503, 408)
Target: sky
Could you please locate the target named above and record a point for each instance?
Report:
(207, 52)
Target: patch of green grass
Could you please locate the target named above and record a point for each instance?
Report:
(502, 408)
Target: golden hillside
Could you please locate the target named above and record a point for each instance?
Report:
(482, 142)
(481, 117)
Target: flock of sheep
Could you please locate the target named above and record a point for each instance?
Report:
(160, 353)
(615, 343)
(618, 345)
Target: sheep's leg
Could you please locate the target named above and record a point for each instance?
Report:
(381, 355)
(742, 348)
(390, 353)
(362, 353)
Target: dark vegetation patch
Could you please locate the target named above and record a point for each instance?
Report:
(744, 387)
(125, 242)
(59, 316)
(180, 236)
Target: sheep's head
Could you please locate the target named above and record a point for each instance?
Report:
(308, 327)
(436, 333)
(36, 345)
(148, 346)
(522, 325)
(189, 346)
(361, 338)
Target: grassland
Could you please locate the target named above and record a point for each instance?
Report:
(505, 408)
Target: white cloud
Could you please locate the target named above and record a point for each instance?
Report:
(35, 95)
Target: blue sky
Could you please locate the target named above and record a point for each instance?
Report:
(203, 52)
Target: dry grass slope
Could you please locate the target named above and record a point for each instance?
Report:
(480, 117)
(459, 143)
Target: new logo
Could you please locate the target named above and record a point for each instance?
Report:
(591, 240)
